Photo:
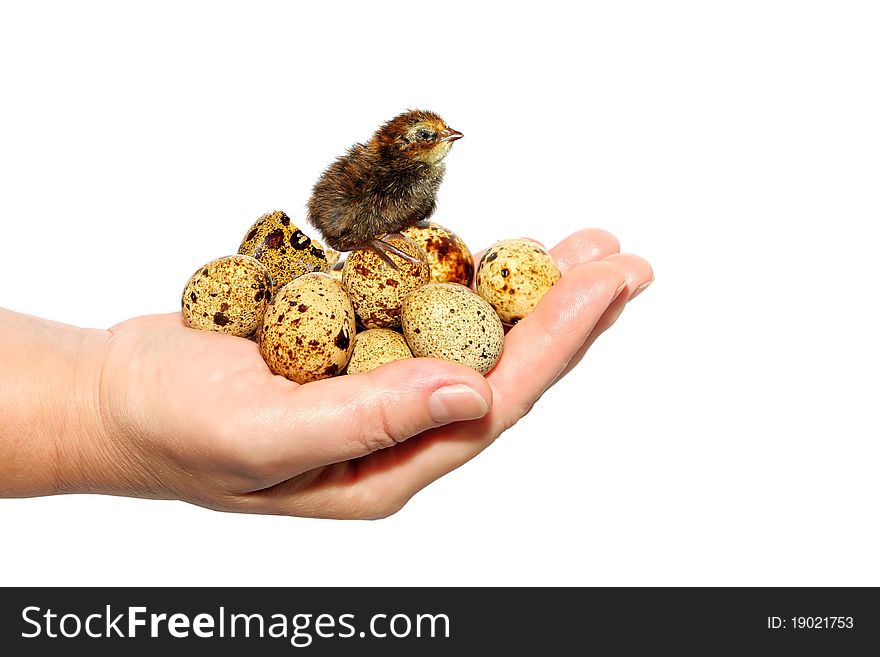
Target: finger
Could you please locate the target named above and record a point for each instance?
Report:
(637, 270)
(378, 484)
(298, 428)
(540, 346)
(588, 245)
(639, 275)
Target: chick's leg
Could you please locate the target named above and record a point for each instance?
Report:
(383, 248)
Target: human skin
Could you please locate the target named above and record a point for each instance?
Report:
(152, 409)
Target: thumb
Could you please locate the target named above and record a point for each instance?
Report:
(350, 416)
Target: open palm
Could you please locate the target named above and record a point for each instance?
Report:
(198, 416)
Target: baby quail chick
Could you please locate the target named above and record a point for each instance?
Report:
(383, 186)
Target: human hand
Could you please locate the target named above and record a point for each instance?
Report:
(198, 416)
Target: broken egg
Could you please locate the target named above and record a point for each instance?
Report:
(286, 250)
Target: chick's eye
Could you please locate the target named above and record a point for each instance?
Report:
(424, 135)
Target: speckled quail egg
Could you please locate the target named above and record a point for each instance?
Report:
(375, 347)
(286, 251)
(376, 289)
(449, 258)
(449, 321)
(227, 295)
(308, 330)
(513, 275)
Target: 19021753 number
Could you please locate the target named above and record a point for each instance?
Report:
(821, 622)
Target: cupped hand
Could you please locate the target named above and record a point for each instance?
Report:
(198, 416)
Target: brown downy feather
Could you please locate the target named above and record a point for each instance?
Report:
(385, 185)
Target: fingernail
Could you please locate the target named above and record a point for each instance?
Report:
(620, 289)
(456, 402)
(641, 288)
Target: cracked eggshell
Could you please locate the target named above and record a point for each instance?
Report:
(449, 321)
(513, 275)
(286, 251)
(336, 271)
(308, 330)
(375, 347)
(227, 295)
(377, 290)
(449, 258)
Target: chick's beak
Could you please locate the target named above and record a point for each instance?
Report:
(450, 135)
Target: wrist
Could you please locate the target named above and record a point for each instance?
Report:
(84, 449)
(52, 435)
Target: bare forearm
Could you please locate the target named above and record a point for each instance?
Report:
(48, 404)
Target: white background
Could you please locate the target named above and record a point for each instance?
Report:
(724, 432)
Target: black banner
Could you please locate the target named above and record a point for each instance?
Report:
(438, 621)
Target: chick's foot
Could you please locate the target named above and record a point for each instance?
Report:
(383, 248)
